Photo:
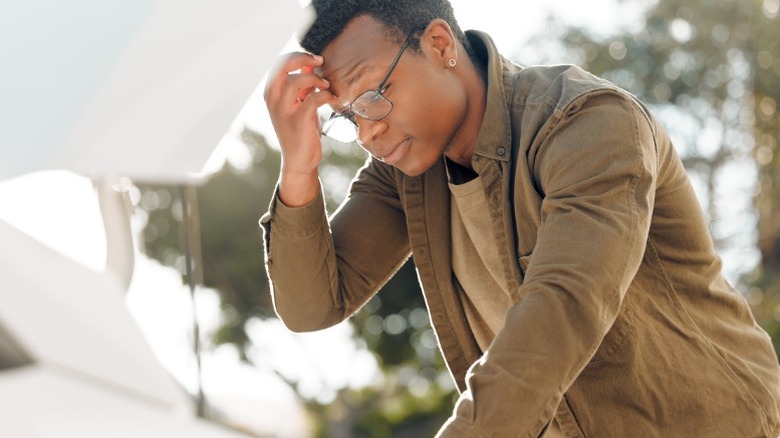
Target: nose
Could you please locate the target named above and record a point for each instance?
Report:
(370, 130)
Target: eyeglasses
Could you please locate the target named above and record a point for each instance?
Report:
(370, 105)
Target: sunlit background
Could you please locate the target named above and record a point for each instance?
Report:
(710, 69)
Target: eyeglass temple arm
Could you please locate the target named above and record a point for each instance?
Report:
(398, 58)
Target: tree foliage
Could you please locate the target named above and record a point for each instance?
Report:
(231, 203)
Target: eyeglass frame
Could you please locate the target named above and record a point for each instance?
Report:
(349, 113)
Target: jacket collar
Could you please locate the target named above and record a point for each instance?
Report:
(494, 135)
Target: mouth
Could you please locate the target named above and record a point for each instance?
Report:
(397, 153)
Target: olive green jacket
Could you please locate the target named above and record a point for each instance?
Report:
(622, 325)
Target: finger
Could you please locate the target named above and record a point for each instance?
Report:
(297, 86)
(288, 64)
(319, 98)
(305, 91)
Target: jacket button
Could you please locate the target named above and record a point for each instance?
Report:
(500, 152)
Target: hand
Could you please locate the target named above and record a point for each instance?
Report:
(293, 94)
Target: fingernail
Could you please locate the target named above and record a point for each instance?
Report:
(317, 58)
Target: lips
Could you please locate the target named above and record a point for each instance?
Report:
(397, 153)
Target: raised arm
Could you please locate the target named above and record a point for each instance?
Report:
(324, 270)
(293, 94)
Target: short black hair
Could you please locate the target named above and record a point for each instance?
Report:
(401, 17)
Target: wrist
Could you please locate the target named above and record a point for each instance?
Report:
(298, 188)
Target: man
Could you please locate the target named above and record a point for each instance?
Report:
(567, 267)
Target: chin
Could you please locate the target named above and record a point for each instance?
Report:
(412, 173)
(413, 169)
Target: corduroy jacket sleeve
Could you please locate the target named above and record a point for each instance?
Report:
(594, 162)
(321, 271)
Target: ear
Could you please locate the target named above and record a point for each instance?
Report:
(440, 43)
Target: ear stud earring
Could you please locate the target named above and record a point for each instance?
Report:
(452, 62)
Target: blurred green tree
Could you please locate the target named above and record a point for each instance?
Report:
(230, 205)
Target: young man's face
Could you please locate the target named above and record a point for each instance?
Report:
(429, 103)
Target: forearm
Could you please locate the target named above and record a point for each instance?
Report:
(301, 264)
(323, 270)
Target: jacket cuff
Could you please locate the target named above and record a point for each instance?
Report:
(295, 222)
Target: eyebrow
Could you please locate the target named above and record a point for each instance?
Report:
(350, 77)
(355, 73)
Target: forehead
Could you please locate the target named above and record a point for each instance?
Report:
(363, 48)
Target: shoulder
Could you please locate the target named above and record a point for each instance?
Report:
(555, 86)
(540, 97)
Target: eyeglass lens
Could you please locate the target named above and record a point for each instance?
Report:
(340, 129)
(370, 105)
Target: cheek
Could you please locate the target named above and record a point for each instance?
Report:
(435, 108)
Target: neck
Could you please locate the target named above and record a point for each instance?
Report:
(463, 142)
